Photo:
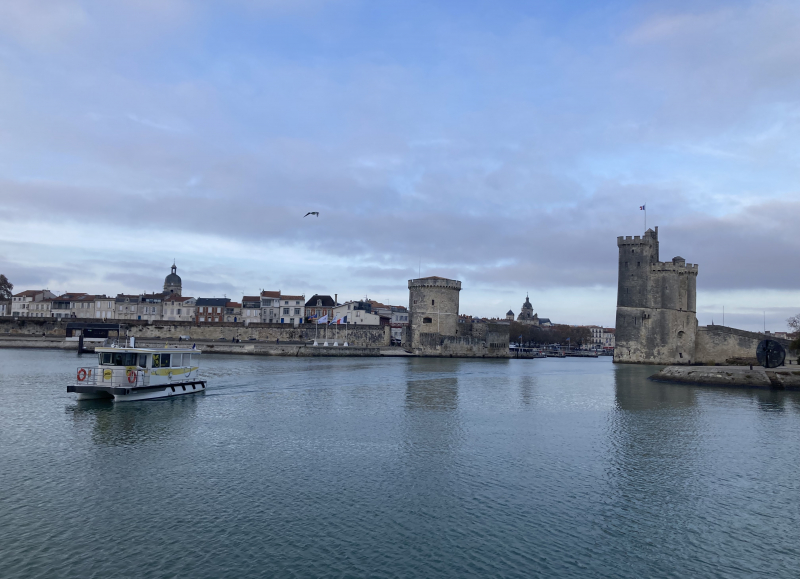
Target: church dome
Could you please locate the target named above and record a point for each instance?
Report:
(172, 283)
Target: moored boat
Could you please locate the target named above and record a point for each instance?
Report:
(128, 373)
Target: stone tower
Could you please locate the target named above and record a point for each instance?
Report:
(172, 283)
(432, 307)
(656, 304)
(526, 314)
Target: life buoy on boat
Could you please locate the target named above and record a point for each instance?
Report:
(131, 376)
(81, 375)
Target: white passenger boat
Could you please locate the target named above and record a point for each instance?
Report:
(128, 373)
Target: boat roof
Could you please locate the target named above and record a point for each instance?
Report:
(149, 350)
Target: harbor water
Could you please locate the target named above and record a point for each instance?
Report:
(397, 467)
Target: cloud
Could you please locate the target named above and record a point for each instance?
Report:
(507, 152)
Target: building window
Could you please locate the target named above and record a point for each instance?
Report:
(297, 311)
(286, 310)
(427, 321)
(202, 318)
(291, 320)
(433, 302)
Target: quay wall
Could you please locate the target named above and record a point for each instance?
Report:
(357, 336)
(716, 344)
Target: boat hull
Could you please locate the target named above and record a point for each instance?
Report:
(119, 394)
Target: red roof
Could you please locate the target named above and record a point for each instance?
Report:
(28, 293)
(266, 294)
(233, 305)
(251, 299)
(293, 297)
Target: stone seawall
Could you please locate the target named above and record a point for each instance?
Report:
(783, 378)
(357, 336)
(717, 344)
(258, 349)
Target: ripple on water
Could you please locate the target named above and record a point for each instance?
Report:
(397, 467)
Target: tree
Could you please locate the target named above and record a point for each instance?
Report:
(794, 325)
(5, 288)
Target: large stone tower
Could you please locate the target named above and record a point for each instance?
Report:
(656, 304)
(432, 307)
(172, 283)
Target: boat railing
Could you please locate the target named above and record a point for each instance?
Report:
(113, 377)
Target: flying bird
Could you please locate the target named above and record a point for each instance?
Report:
(311, 213)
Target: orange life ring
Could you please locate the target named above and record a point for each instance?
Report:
(81, 375)
(131, 376)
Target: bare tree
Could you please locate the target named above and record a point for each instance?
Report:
(794, 325)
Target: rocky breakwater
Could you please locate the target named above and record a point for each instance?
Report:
(783, 378)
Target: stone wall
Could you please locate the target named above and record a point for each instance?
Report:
(655, 336)
(717, 344)
(357, 336)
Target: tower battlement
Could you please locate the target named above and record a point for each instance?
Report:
(649, 236)
(668, 266)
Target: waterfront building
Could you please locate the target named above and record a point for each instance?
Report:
(359, 313)
(510, 315)
(104, 308)
(126, 307)
(292, 309)
(251, 309)
(5, 308)
(179, 308)
(151, 307)
(210, 310)
(270, 306)
(83, 306)
(20, 303)
(319, 305)
(62, 306)
(233, 312)
(172, 283)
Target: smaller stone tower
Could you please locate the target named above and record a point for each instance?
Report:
(172, 283)
(432, 307)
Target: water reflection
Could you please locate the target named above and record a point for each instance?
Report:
(131, 423)
(526, 386)
(634, 391)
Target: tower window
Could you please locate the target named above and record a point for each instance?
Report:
(638, 264)
(433, 302)
(427, 321)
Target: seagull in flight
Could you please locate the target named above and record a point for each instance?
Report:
(311, 213)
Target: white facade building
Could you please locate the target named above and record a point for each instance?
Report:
(20, 302)
(178, 308)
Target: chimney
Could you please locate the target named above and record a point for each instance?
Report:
(335, 299)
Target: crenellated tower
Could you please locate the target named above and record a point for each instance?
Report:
(656, 304)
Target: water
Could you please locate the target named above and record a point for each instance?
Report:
(397, 467)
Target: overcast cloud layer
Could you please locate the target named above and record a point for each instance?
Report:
(506, 144)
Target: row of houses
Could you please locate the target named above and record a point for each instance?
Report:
(268, 307)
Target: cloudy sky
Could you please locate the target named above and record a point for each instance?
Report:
(503, 143)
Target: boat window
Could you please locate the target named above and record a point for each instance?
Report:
(142, 360)
(165, 360)
(176, 360)
(156, 361)
(105, 358)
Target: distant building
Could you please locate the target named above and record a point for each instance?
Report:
(104, 308)
(21, 302)
(526, 314)
(179, 308)
(210, 310)
(251, 309)
(172, 283)
(270, 306)
(510, 315)
(233, 312)
(318, 306)
(292, 309)
(5, 308)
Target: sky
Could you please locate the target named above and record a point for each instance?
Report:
(502, 143)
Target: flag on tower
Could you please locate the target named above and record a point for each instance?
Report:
(642, 208)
